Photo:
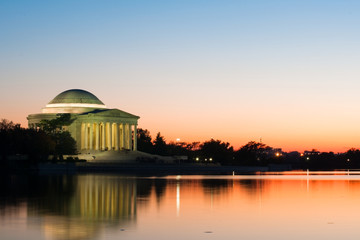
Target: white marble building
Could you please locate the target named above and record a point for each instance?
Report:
(95, 127)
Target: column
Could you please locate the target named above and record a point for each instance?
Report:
(123, 136)
(91, 128)
(86, 136)
(107, 136)
(103, 136)
(135, 137)
(97, 135)
(126, 137)
(130, 137)
(116, 132)
(82, 136)
(110, 136)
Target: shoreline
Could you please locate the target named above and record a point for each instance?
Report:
(154, 169)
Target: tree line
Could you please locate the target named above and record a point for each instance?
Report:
(251, 154)
(51, 138)
(37, 144)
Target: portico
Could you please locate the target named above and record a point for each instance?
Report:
(108, 136)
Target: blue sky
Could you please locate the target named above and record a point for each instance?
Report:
(233, 70)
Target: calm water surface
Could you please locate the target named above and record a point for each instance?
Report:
(180, 207)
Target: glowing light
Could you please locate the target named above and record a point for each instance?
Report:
(277, 154)
(84, 105)
(178, 199)
(178, 139)
(210, 159)
(197, 159)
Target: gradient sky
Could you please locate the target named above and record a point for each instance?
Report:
(284, 71)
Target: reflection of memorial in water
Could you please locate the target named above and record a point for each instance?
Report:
(178, 207)
(106, 198)
(97, 202)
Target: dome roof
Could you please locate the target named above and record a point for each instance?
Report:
(76, 96)
(74, 101)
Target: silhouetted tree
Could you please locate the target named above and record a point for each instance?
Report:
(144, 141)
(253, 153)
(64, 143)
(56, 125)
(178, 148)
(217, 150)
(6, 125)
(160, 146)
(194, 146)
(15, 140)
(351, 158)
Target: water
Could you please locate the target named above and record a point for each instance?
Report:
(272, 206)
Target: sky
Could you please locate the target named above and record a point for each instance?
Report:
(285, 71)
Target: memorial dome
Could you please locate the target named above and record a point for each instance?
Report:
(73, 101)
(76, 96)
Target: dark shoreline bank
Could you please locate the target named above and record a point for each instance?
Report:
(155, 169)
(72, 168)
(149, 169)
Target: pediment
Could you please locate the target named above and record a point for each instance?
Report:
(111, 113)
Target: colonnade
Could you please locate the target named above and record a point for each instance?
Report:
(108, 136)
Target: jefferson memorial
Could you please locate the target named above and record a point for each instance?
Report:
(95, 127)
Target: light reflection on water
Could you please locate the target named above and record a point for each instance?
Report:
(262, 206)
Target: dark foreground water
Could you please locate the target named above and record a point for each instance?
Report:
(180, 207)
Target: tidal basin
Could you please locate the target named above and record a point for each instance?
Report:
(272, 206)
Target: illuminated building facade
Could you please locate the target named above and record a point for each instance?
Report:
(95, 127)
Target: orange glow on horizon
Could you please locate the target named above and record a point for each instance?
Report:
(336, 142)
(287, 130)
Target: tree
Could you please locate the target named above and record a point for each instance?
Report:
(144, 143)
(178, 149)
(55, 125)
(217, 150)
(352, 158)
(64, 143)
(253, 153)
(7, 125)
(160, 146)
(253, 146)
(194, 146)
(17, 140)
